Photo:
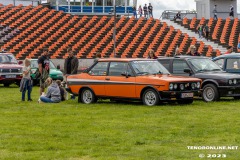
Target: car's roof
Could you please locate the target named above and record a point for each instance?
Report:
(228, 55)
(123, 59)
(5, 53)
(184, 57)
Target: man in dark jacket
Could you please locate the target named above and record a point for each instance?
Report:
(70, 64)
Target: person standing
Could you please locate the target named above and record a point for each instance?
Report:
(150, 10)
(140, 11)
(200, 30)
(44, 68)
(145, 11)
(193, 51)
(134, 12)
(206, 31)
(231, 14)
(229, 50)
(215, 12)
(70, 64)
(26, 82)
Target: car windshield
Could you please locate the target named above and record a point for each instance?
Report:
(34, 64)
(204, 65)
(148, 67)
(7, 58)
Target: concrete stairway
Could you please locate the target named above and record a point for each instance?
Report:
(193, 34)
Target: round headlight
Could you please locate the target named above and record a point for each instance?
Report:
(181, 86)
(198, 84)
(230, 81)
(234, 81)
(193, 85)
(175, 86)
(171, 86)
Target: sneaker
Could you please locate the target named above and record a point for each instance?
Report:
(30, 100)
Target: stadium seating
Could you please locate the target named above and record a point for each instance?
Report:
(25, 31)
(222, 31)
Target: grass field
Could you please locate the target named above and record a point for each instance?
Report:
(105, 130)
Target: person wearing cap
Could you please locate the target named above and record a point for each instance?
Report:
(193, 51)
(70, 63)
(44, 69)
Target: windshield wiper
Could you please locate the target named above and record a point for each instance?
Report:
(143, 73)
(159, 72)
(216, 70)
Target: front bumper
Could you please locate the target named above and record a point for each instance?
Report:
(229, 91)
(177, 95)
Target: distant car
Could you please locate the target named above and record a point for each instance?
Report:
(216, 83)
(229, 62)
(10, 70)
(131, 79)
(55, 72)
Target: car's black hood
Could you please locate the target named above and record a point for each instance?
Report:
(217, 75)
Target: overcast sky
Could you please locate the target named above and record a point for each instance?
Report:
(160, 5)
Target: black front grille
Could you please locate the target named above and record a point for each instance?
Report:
(11, 70)
(5, 70)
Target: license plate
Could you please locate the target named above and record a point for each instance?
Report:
(187, 95)
(10, 76)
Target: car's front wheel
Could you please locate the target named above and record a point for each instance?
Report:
(210, 93)
(87, 96)
(150, 97)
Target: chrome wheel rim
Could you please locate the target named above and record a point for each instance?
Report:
(150, 98)
(87, 96)
(208, 94)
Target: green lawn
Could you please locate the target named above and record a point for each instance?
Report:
(105, 130)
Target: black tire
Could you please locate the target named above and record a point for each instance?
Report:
(87, 96)
(210, 93)
(6, 84)
(150, 97)
(185, 101)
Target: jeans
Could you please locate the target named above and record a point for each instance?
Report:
(200, 34)
(46, 99)
(27, 87)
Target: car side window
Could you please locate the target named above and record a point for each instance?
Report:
(179, 66)
(165, 63)
(34, 64)
(232, 63)
(220, 62)
(100, 69)
(117, 68)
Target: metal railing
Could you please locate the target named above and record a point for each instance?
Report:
(170, 14)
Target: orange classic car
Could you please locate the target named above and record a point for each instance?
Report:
(131, 79)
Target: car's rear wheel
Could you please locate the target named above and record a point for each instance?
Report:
(150, 97)
(210, 93)
(87, 96)
(185, 101)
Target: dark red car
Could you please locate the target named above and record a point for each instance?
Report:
(10, 70)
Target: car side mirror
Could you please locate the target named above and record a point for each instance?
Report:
(187, 70)
(126, 74)
(58, 66)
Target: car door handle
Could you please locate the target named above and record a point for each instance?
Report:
(107, 79)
